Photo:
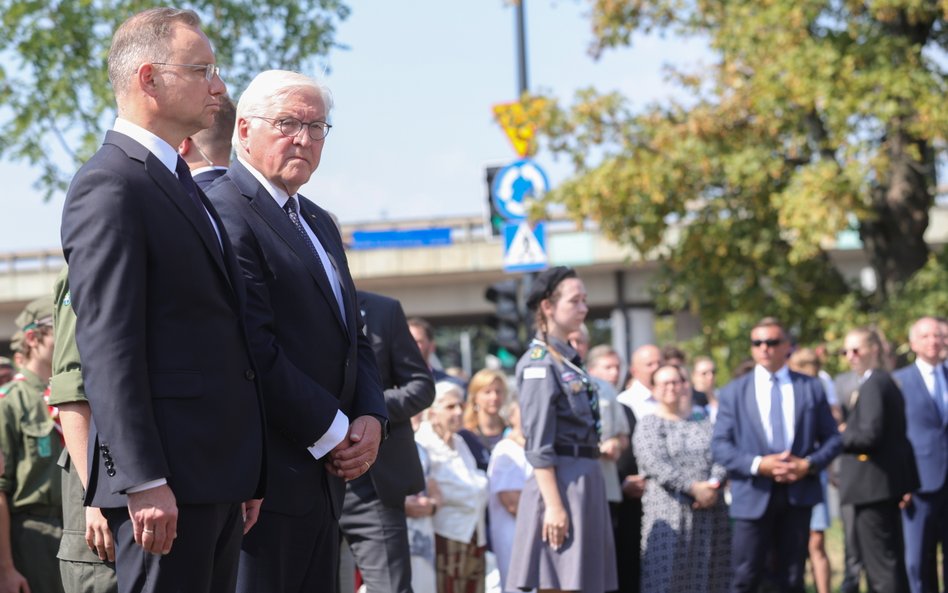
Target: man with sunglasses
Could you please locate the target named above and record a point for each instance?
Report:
(324, 400)
(774, 433)
(177, 418)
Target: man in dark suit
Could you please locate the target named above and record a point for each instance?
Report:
(925, 389)
(774, 433)
(877, 468)
(207, 152)
(325, 407)
(373, 515)
(160, 305)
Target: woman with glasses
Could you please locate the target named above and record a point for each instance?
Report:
(685, 535)
(563, 539)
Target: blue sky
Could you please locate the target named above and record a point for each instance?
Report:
(413, 128)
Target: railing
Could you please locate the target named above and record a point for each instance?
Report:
(43, 261)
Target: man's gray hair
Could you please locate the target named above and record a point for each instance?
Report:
(268, 90)
(144, 37)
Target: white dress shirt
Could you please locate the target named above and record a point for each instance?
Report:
(762, 389)
(640, 399)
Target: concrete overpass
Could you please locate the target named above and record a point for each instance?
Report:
(446, 283)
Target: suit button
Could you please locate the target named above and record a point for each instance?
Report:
(249, 375)
(111, 473)
(347, 363)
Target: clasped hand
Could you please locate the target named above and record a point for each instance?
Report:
(783, 468)
(357, 452)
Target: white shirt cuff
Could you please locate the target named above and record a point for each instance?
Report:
(755, 465)
(337, 431)
(147, 486)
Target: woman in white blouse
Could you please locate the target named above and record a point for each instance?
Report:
(460, 534)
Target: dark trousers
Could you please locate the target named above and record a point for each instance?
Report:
(628, 538)
(203, 558)
(878, 535)
(291, 553)
(783, 530)
(378, 538)
(924, 525)
(852, 568)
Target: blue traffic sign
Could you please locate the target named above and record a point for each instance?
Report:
(514, 184)
(524, 247)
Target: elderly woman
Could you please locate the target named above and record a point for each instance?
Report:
(506, 474)
(563, 539)
(460, 533)
(685, 535)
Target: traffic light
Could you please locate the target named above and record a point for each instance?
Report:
(506, 319)
(496, 220)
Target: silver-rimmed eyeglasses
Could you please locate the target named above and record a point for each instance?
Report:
(290, 127)
(210, 70)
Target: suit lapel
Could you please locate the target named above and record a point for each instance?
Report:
(799, 400)
(168, 183)
(275, 217)
(752, 412)
(347, 295)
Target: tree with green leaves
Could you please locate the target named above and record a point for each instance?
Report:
(816, 116)
(54, 88)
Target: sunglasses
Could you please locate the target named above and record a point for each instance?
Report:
(769, 343)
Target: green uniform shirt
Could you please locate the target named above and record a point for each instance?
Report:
(31, 446)
(66, 384)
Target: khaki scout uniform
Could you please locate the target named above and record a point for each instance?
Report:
(82, 570)
(31, 445)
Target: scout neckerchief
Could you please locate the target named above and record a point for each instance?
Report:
(577, 382)
(53, 410)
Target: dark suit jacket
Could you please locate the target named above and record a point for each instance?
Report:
(166, 360)
(739, 437)
(206, 178)
(409, 389)
(312, 362)
(877, 462)
(927, 430)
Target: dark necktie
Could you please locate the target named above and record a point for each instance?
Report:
(776, 417)
(184, 177)
(290, 208)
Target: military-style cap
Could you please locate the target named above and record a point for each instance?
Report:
(36, 314)
(546, 283)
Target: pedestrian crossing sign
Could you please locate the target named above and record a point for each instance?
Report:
(524, 247)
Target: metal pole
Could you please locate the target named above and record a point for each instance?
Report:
(521, 49)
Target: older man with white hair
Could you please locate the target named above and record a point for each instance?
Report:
(322, 392)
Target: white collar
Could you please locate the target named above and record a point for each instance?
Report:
(782, 374)
(277, 193)
(166, 153)
(925, 368)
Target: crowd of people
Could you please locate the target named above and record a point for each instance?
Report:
(206, 403)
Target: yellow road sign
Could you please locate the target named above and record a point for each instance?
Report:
(518, 119)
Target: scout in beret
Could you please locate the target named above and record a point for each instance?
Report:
(31, 441)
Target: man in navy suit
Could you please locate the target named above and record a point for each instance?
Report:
(925, 520)
(774, 434)
(160, 304)
(325, 407)
(207, 152)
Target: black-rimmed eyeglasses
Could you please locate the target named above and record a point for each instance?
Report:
(290, 127)
(210, 70)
